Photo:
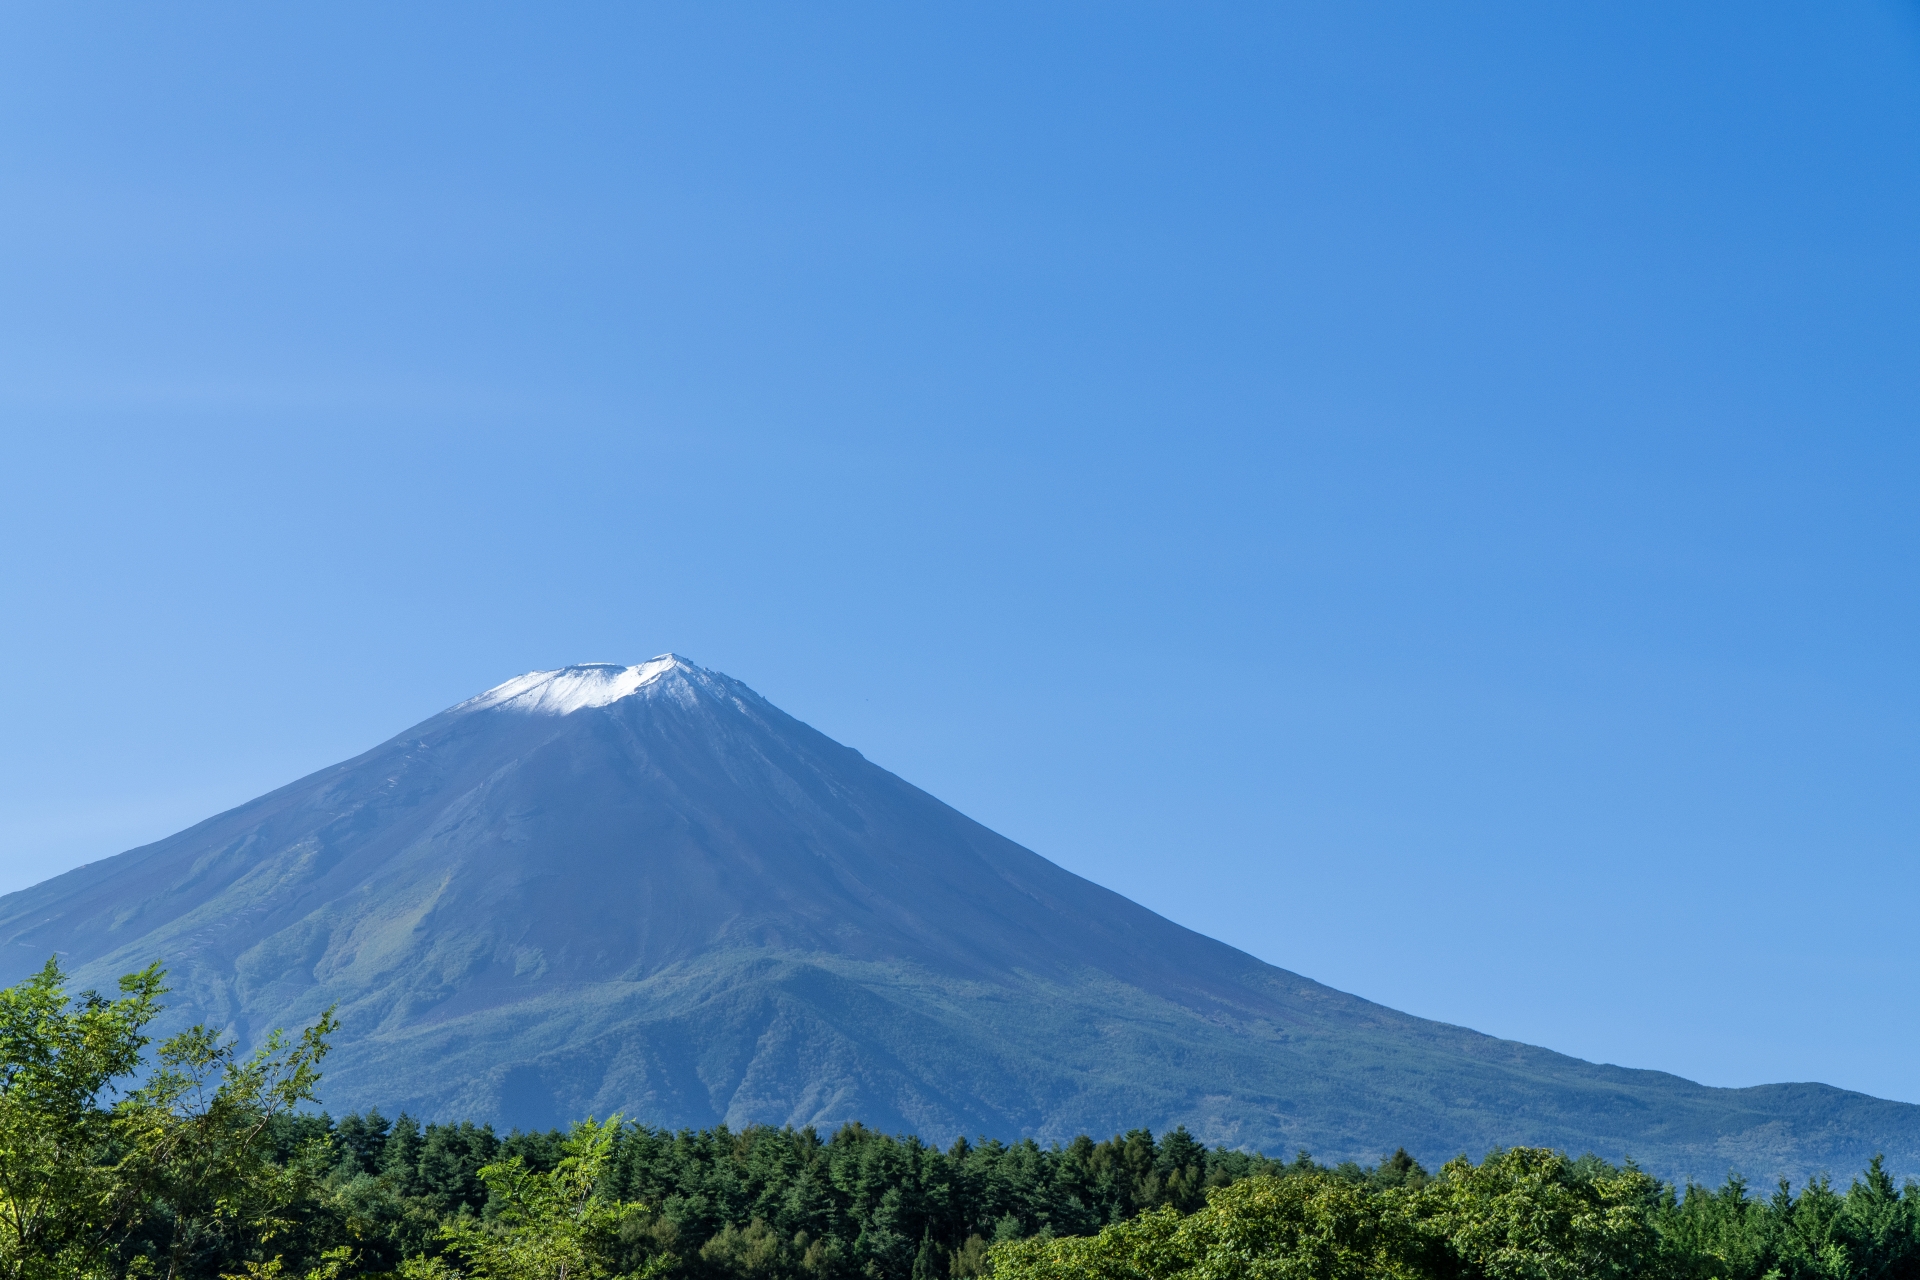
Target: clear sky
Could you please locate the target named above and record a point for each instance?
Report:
(1426, 494)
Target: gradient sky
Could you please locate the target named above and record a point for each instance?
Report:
(1426, 494)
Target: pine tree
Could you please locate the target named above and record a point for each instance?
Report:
(926, 1262)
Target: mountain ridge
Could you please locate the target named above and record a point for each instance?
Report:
(645, 888)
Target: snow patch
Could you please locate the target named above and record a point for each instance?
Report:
(570, 689)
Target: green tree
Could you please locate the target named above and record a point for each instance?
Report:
(96, 1179)
(201, 1169)
(545, 1226)
(60, 1181)
(1532, 1214)
(1718, 1235)
(1304, 1227)
(1308, 1226)
(1882, 1225)
(1142, 1248)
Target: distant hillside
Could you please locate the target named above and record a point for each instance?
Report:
(647, 889)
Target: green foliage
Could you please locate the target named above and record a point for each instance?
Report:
(548, 1225)
(1521, 1214)
(98, 1180)
(761, 1202)
(61, 1190)
(1143, 1248)
(1299, 1226)
(1304, 1228)
(210, 1170)
(205, 1183)
(1870, 1232)
(1531, 1214)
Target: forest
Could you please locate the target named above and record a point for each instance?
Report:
(194, 1162)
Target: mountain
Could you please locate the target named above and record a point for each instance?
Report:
(647, 889)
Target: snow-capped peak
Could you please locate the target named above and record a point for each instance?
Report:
(570, 689)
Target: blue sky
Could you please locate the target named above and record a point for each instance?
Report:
(1425, 494)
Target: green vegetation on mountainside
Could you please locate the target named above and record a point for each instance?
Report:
(198, 1165)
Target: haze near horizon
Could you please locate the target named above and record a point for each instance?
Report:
(1426, 499)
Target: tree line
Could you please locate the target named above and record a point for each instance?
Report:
(196, 1163)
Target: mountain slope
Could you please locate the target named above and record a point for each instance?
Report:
(647, 889)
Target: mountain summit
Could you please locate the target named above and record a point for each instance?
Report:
(647, 889)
